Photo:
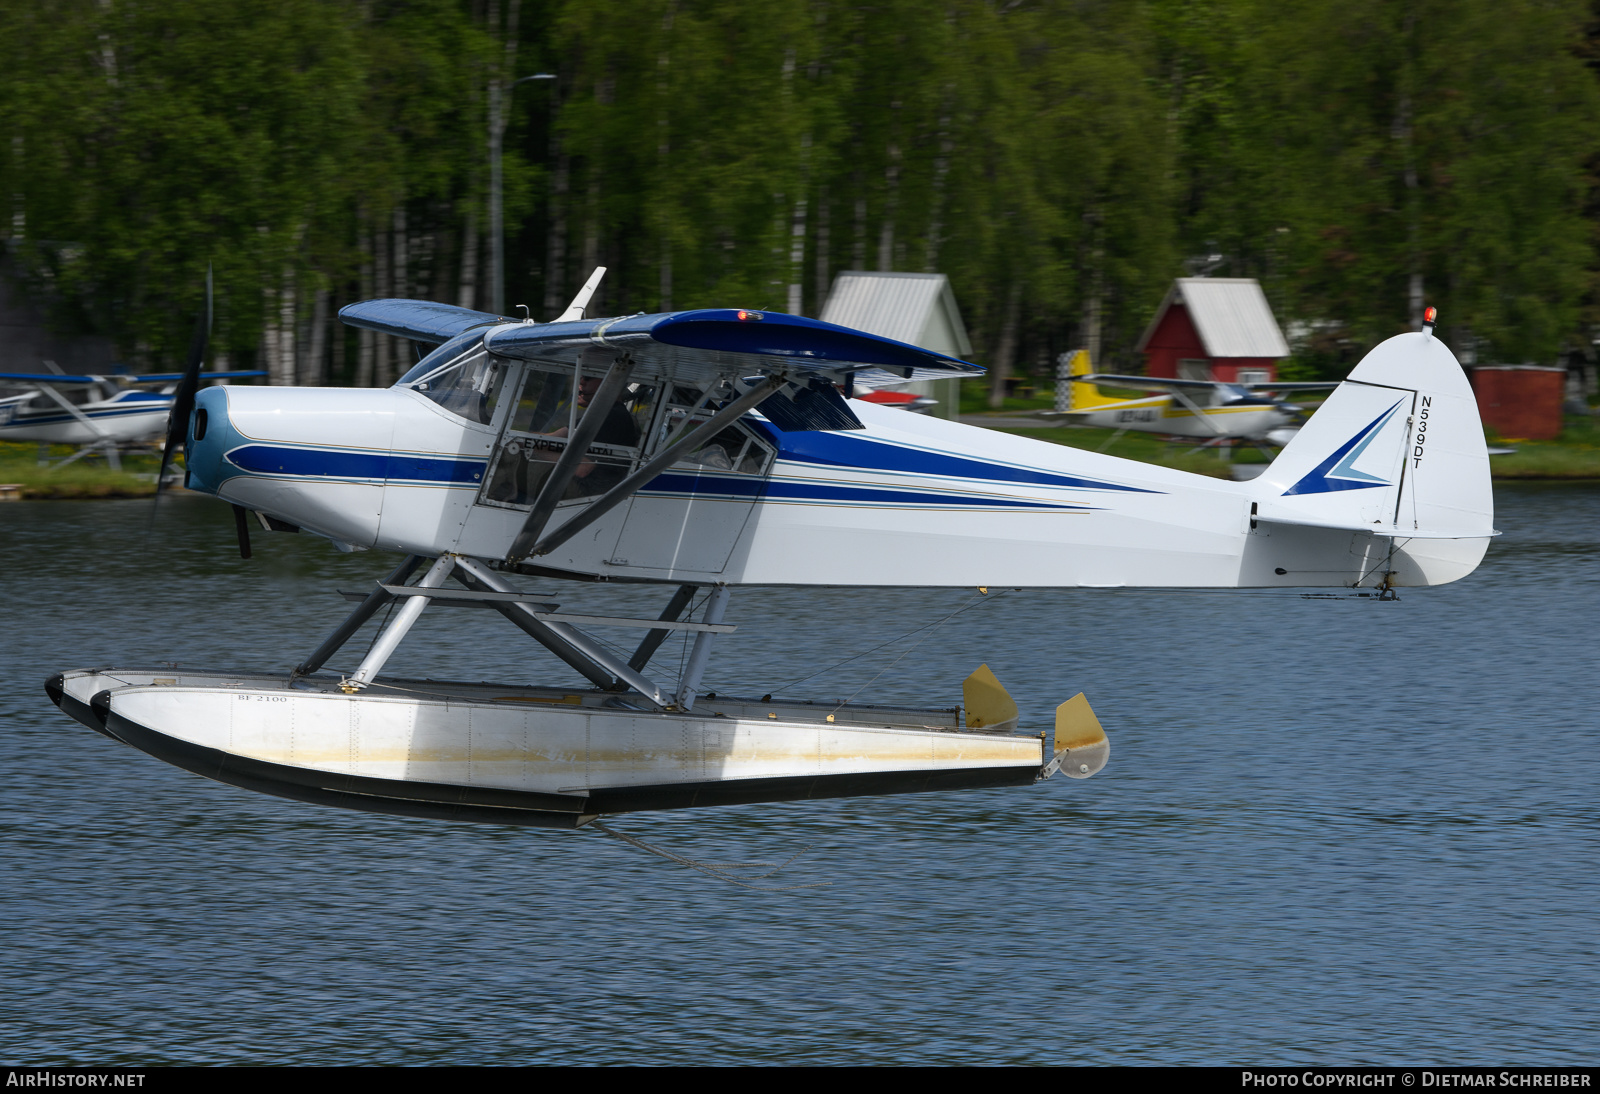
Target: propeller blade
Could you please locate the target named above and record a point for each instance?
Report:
(183, 397)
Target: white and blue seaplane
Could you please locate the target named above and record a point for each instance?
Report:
(704, 450)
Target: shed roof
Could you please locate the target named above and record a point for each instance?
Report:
(1231, 314)
(915, 308)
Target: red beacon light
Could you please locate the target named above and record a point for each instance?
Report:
(1429, 315)
(747, 316)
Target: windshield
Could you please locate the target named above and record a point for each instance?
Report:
(460, 376)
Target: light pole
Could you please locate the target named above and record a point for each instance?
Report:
(497, 238)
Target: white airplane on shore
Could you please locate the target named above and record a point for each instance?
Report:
(97, 413)
(702, 451)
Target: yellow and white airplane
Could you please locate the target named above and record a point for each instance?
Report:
(1211, 411)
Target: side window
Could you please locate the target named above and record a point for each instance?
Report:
(536, 435)
(735, 448)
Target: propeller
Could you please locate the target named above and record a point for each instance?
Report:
(183, 397)
(183, 407)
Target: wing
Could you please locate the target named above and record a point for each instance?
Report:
(704, 346)
(49, 378)
(421, 320)
(1318, 385)
(173, 377)
(1158, 384)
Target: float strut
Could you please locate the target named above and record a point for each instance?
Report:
(570, 644)
(365, 611)
(689, 686)
(480, 581)
(652, 641)
(372, 664)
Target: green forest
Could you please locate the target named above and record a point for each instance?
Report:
(1060, 161)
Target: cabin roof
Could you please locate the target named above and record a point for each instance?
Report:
(916, 308)
(1231, 315)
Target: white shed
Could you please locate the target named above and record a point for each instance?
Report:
(915, 308)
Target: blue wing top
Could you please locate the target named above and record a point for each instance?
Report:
(688, 345)
(125, 378)
(421, 320)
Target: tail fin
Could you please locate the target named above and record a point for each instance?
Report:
(1082, 395)
(1397, 452)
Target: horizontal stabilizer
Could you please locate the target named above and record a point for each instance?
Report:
(1382, 529)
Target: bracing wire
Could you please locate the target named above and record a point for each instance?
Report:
(930, 627)
(928, 633)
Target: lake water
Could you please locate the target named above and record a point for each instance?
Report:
(1331, 832)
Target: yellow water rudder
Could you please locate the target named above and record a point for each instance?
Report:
(1082, 747)
(987, 704)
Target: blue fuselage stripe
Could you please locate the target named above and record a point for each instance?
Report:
(845, 450)
(325, 463)
(344, 465)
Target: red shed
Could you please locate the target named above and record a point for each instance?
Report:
(1214, 328)
(1520, 402)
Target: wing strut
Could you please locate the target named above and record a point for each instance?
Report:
(691, 435)
(1178, 394)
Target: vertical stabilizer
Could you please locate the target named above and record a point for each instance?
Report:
(1397, 451)
(1083, 395)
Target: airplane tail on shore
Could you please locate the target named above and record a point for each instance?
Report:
(1082, 395)
(1396, 452)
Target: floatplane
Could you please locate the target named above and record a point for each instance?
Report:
(99, 414)
(701, 451)
(1212, 412)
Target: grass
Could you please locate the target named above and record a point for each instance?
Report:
(87, 478)
(1575, 454)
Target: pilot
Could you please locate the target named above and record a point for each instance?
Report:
(618, 429)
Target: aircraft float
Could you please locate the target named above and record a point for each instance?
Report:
(701, 451)
(1213, 412)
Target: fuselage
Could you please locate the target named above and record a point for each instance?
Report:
(907, 501)
(1164, 414)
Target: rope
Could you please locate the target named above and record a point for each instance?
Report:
(718, 870)
(930, 630)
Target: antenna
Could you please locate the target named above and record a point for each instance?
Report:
(581, 301)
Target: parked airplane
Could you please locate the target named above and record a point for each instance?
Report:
(1212, 411)
(704, 450)
(96, 413)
